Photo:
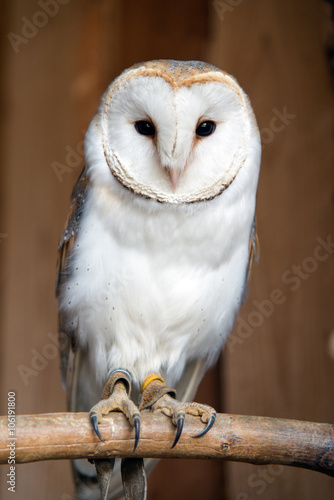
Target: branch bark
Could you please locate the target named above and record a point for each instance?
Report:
(256, 440)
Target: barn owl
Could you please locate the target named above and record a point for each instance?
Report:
(154, 259)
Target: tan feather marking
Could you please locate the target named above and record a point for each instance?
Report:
(70, 230)
(176, 74)
(178, 69)
(65, 335)
(162, 198)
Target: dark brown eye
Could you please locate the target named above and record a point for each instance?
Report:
(205, 128)
(145, 127)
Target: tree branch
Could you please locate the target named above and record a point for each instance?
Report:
(256, 440)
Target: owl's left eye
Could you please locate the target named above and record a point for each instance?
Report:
(145, 127)
(205, 128)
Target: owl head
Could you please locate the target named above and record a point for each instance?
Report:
(173, 131)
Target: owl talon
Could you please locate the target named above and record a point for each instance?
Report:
(208, 426)
(136, 422)
(179, 428)
(95, 424)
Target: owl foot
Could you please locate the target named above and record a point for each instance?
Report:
(158, 397)
(115, 397)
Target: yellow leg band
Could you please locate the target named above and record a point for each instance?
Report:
(149, 378)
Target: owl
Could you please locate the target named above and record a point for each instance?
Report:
(154, 259)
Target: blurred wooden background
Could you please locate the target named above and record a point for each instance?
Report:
(280, 359)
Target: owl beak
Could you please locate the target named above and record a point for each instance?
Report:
(174, 175)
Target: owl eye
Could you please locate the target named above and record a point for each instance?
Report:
(145, 127)
(205, 128)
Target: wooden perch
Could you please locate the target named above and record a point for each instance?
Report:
(256, 440)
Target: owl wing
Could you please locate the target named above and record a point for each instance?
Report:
(66, 334)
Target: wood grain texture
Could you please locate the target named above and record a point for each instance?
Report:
(257, 440)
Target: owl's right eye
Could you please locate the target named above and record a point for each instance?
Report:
(145, 127)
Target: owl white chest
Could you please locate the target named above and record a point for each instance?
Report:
(153, 290)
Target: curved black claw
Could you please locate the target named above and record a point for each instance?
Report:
(207, 427)
(136, 423)
(95, 424)
(179, 427)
